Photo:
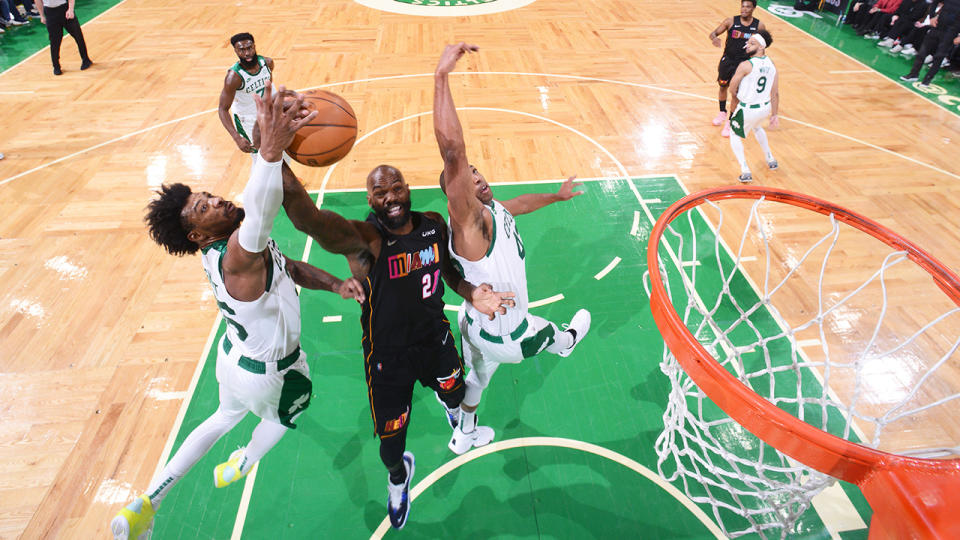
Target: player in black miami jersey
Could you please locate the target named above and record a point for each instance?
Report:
(738, 30)
(402, 260)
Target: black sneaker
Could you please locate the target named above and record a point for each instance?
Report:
(57, 71)
(400, 495)
(86, 64)
(909, 78)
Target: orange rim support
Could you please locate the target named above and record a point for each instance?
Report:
(910, 497)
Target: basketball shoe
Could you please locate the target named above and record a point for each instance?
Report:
(135, 520)
(746, 178)
(398, 495)
(580, 324)
(460, 442)
(229, 471)
(726, 129)
(719, 118)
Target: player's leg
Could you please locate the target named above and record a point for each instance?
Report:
(137, 517)
(943, 50)
(761, 136)
(73, 28)
(736, 143)
(56, 17)
(723, 80)
(468, 434)
(278, 399)
(928, 46)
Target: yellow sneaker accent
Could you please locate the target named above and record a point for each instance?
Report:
(228, 472)
(133, 520)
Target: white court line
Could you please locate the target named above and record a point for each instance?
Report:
(244, 502)
(332, 318)
(545, 301)
(513, 73)
(613, 264)
(635, 228)
(522, 442)
(844, 71)
(808, 343)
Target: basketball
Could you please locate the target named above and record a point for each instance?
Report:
(329, 136)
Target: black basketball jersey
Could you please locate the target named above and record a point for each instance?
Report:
(404, 289)
(737, 37)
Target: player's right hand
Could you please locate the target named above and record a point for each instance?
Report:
(278, 124)
(452, 53)
(716, 42)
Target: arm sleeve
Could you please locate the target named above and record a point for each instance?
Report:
(261, 202)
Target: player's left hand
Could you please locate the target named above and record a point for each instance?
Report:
(351, 288)
(490, 302)
(956, 40)
(774, 121)
(70, 14)
(567, 189)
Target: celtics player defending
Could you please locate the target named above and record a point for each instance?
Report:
(738, 30)
(485, 244)
(755, 97)
(245, 79)
(260, 366)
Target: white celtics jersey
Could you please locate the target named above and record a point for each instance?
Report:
(268, 328)
(243, 104)
(503, 267)
(756, 86)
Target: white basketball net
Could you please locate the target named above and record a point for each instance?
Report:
(750, 486)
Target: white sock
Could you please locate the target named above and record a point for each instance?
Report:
(194, 447)
(761, 136)
(737, 144)
(468, 421)
(265, 436)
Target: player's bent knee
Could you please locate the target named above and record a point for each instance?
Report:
(454, 397)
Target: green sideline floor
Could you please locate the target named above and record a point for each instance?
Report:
(325, 479)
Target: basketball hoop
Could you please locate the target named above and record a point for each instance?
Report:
(911, 497)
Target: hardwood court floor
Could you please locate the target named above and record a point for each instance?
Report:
(100, 331)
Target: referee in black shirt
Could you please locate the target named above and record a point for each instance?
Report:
(58, 15)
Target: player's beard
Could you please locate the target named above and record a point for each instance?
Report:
(394, 222)
(240, 215)
(248, 64)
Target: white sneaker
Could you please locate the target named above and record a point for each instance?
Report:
(745, 178)
(460, 442)
(928, 59)
(888, 42)
(581, 324)
(773, 165)
(908, 51)
(896, 48)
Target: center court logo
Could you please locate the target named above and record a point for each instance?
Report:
(444, 8)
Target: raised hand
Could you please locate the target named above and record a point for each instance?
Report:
(452, 53)
(566, 189)
(490, 302)
(278, 123)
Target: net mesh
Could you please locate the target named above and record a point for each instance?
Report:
(823, 349)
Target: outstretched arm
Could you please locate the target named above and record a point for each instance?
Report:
(529, 202)
(310, 277)
(230, 85)
(244, 263)
(466, 211)
(775, 101)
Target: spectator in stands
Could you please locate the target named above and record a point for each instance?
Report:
(939, 42)
(11, 16)
(909, 13)
(859, 11)
(878, 17)
(913, 39)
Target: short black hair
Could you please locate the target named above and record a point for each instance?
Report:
(242, 36)
(766, 37)
(754, 2)
(164, 221)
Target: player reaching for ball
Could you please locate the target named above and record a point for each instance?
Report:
(486, 246)
(260, 366)
(245, 79)
(402, 260)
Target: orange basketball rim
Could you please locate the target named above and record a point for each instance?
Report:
(910, 497)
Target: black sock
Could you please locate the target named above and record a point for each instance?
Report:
(398, 474)
(723, 105)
